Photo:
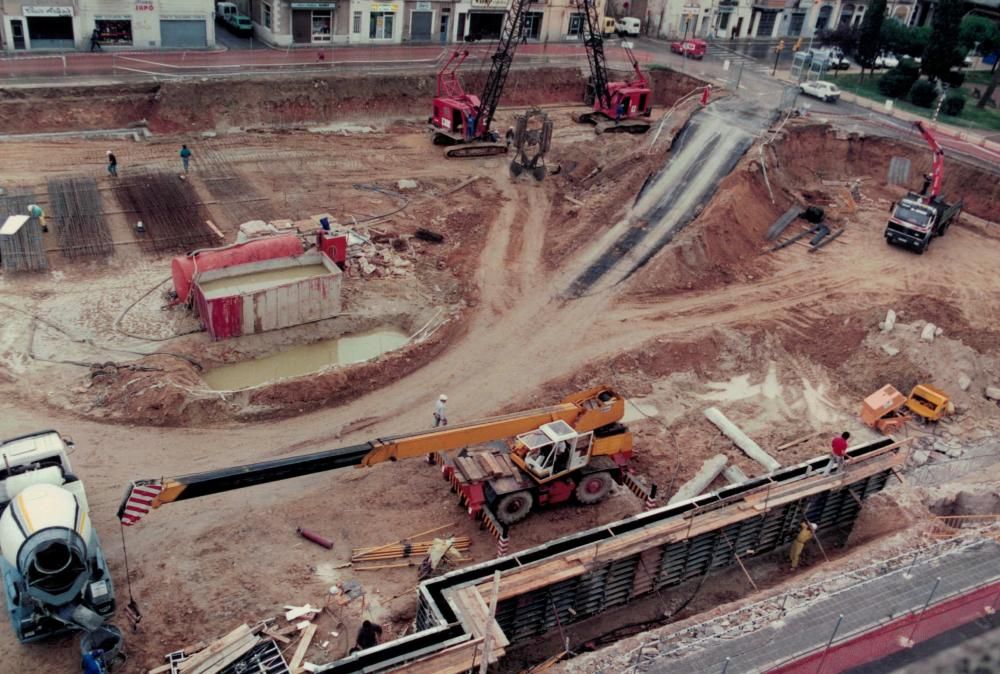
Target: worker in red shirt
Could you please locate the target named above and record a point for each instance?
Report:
(838, 450)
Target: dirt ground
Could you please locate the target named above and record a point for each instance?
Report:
(786, 344)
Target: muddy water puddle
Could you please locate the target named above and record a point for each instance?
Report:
(303, 360)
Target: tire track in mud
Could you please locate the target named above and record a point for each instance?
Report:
(704, 152)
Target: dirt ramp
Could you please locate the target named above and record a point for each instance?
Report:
(47, 109)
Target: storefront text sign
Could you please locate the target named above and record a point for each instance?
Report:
(385, 7)
(144, 6)
(32, 10)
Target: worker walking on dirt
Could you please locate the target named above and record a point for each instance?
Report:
(368, 636)
(35, 211)
(803, 537)
(112, 164)
(185, 157)
(440, 413)
(838, 452)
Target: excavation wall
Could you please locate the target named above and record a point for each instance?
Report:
(225, 103)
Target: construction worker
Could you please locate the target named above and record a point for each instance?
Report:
(368, 636)
(35, 211)
(619, 111)
(838, 452)
(471, 127)
(95, 41)
(803, 537)
(185, 157)
(112, 164)
(440, 413)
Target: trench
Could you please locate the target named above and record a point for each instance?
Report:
(307, 359)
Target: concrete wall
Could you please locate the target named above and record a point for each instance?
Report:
(141, 17)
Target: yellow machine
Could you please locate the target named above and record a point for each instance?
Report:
(928, 403)
(887, 410)
(574, 449)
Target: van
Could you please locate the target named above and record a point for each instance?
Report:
(224, 10)
(608, 26)
(628, 26)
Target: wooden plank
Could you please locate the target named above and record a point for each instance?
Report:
(300, 650)
(492, 611)
(215, 648)
(211, 226)
(798, 440)
(277, 637)
(225, 659)
(455, 660)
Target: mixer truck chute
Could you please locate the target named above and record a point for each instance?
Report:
(54, 573)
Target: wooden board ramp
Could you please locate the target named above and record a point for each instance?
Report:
(584, 574)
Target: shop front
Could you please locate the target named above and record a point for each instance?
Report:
(114, 30)
(485, 21)
(313, 22)
(49, 27)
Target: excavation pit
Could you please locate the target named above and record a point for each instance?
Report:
(307, 359)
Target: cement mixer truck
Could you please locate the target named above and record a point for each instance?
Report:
(54, 574)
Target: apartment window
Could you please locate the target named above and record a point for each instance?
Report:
(575, 24)
(380, 27)
(356, 25)
(266, 12)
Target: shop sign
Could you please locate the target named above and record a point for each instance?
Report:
(33, 10)
(493, 4)
(183, 17)
(115, 17)
(385, 7)
(423, 6)
(144, 6)
(314, 5)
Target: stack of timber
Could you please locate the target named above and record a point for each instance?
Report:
(218, 655)
(403, 549)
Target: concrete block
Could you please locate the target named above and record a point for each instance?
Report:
(919, 457)
(889, 322)
(954, 452)
(890, 350)
(964, 382)
(927, 334)
(734, 475)
(938, 332)
(709, 470)
(993, 392)
(741, 439)
(405, 184)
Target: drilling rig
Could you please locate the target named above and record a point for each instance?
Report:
(461, 120)
(618, 107)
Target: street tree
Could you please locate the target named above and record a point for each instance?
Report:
(869, 38)
(943, 53)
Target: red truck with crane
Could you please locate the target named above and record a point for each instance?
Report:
(917, 218)
(461, 120)
(618, 107)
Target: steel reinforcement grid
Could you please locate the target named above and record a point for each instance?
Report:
(170, 210)
(617, 582)
(78, 218)
(23, 251)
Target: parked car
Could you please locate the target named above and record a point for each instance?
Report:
(886, 60)
(826, 91)
(628, 26)
(239, 25)
(692, 49)
(224, 10)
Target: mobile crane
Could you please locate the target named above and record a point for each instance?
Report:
(917, 218)
(618, 107)
(462, 121)
(577, 449)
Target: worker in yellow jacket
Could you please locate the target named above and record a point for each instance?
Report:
(803, 537)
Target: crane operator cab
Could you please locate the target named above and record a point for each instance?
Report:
(555, 448)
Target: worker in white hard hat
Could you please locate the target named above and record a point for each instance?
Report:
(440, 414)
(35, 211)
(440, 419)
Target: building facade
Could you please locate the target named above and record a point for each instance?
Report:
(124, 24)
(707, 19)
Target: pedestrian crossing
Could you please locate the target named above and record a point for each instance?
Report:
(737, 58)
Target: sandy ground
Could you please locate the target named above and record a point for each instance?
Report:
(785, 344)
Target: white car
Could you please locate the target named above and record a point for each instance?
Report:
(886, 61)
(826, 91)
(628, 26)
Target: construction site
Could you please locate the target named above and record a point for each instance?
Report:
(539, 380)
